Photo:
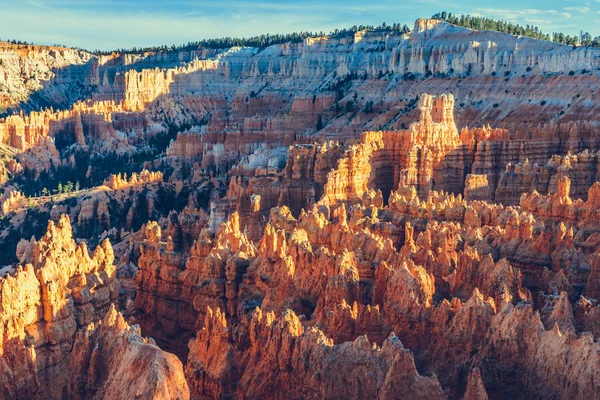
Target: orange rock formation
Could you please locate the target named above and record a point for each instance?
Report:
(116, 182)
(61, 289)
(315, 226)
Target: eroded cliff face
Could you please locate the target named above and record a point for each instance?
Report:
(376, 216)
(111, 360)
(62, 336)
(279, 95)
(284, 360)
(60, 289)
(26, 70)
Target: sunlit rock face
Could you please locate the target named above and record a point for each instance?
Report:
(373, 215)
(61, 289)
(281, 91)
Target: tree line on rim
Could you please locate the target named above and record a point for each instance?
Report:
(489, 24)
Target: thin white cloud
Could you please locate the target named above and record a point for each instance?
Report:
(537, 21)
(524, 16)
(515, 14)
(549, 20)
(583, 10)
(39, 5)
(111, 31)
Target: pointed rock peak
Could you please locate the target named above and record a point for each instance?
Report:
(215, 321)
(153, 232)
(564, 188)
(562, 313)
(300, 237)
(234, 221)
(273, 243)
(114, 319)
(477, 299)
(392, 344)
(64, 222)
(556, 330)
(347, 265)
(594, 195)
(260, 317)
(362, 342)
(475, 387)
(291, 322)
(58, 232)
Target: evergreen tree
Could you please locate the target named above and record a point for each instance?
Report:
(482, 23)
(319, 123)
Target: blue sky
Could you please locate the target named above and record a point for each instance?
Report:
(110, 24)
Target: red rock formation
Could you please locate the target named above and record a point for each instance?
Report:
(477, 188)
(285, 360)
(475, 387)
(418, 151)
(592, 288)
(561, 206)
(349, 181)
(350, 238)
(110, 359)
(44, 303)
(11, 201)
(210, 369)
(209, 276)
(116, 182)
(94, 119)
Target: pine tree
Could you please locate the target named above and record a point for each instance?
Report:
(479, 23)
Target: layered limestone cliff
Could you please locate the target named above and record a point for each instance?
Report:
(26, 70)
(281, 93)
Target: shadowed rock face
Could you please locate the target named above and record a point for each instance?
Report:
(110, 359)
(377, 216)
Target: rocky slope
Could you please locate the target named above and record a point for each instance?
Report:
(367, 216)
(27, 71)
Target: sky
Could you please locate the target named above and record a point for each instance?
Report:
(114, 24)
